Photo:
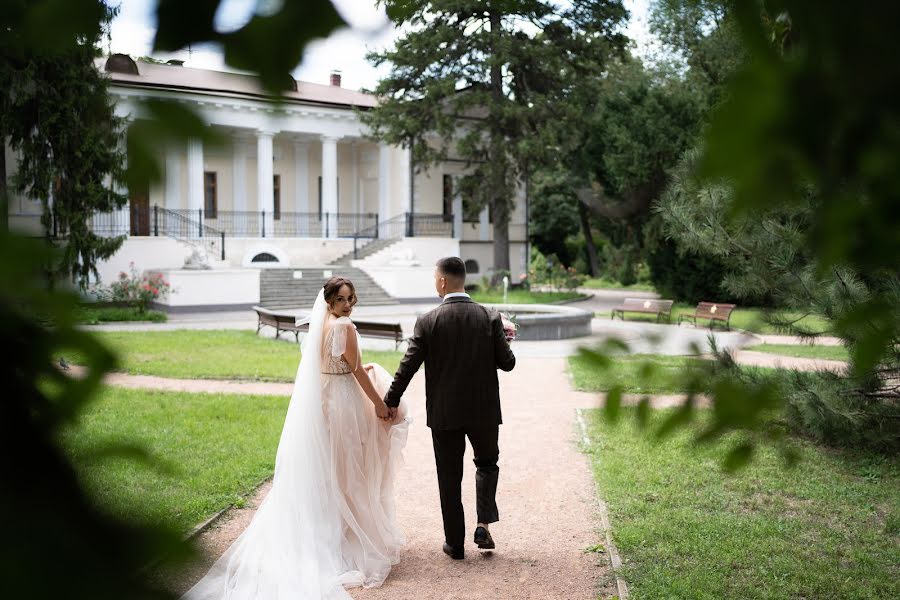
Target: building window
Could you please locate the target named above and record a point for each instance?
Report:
(264, 257)
(210, 201)
(471, 267)
(276, 191)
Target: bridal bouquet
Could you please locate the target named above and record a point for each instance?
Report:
(509, 326)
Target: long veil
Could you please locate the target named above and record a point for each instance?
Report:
(292, 548)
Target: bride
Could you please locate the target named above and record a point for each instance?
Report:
(328, 521)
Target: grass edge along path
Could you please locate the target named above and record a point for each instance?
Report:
(214, 354)
(205, 452)
(828, 528)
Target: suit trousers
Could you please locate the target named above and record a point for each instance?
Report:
(449, 448)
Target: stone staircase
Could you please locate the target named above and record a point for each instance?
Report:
(280, 290)
(368, 250)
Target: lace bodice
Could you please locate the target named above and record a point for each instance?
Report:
(333, 346)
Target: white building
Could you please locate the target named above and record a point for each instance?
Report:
(294, 186)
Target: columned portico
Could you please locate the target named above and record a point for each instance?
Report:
(195, 175)
(265, 191)
(329, 182)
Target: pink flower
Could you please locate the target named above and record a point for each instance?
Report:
(509, 327)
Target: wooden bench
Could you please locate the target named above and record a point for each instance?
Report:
(282, 322)
(714, 311)
(661, 308)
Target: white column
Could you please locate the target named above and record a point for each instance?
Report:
(172, 199)
(195, 177)
(239, 185)
(301, 178)
(354, 184)
(407, 193)
(384, 183)
(457, 210)
(265, 190)
(329, 183)
(484, 227)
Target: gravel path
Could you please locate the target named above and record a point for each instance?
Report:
(546, 497)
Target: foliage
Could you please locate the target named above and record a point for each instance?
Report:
(97, 556)
(59, 118)
(53, 516)
(833, 409)
(93, 315)
(811, 125)
(482, 83)
(550, 271)
(553, 214)
(632, 375)
(824, 529)
(686, 275)
(134, 289)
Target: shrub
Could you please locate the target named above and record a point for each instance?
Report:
(134, 290)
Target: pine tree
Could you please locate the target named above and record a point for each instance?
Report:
(481, 81)
(59, 117)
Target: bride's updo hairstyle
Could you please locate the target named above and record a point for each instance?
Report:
(333, 286)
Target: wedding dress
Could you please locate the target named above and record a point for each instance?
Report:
(328, 522)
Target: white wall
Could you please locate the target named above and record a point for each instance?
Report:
(218, 288)
(426, 251)
(146, 253)
(301, 252)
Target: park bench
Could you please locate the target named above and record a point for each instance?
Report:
(714, 311)
(283, 322)
(661, 308)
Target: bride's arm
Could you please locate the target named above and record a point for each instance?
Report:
(351, 355)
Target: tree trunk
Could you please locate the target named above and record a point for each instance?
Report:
(4, 198)
(498, 194)
(585, 215)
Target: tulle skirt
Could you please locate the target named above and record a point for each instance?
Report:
(367, 455)
(329, 520)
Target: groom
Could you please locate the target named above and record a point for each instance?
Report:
(462, 345)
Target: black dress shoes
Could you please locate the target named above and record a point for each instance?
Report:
(483, 539)
(454, 553)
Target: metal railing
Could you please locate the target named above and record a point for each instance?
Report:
(174, 224)
(284, 224)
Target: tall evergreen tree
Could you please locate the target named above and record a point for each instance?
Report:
(57, 114)
(481, 81)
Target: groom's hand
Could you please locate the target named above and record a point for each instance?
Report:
(392, 413)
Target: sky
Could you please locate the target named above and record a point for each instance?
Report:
(345, 50)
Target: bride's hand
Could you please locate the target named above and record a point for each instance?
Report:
(382, 410)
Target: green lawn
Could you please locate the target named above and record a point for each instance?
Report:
(91, 315)
(523, 297)
(209, 450)
(804, 351)
(829, 528)
(748, 319)
(215, 354)
(602, 283)
(630, 372)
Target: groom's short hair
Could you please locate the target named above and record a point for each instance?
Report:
(452, 267)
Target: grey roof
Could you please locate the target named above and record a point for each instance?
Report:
(174, 77)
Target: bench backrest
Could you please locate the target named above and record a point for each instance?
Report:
(648, 304)
(714, 310)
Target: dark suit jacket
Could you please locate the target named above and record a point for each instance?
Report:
(462, 345)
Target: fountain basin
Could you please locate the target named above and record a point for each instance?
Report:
(539, 322)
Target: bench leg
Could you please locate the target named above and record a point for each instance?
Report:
(277, 332)
(258, 327)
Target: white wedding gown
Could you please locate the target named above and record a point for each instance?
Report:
(328, 522)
